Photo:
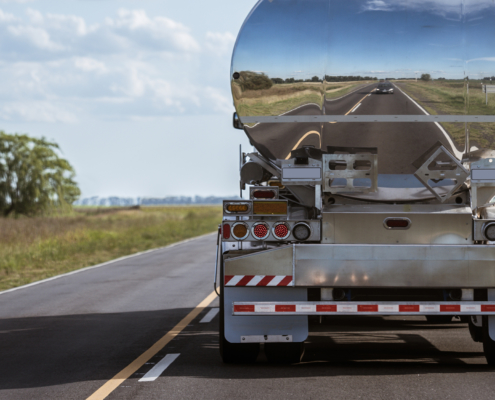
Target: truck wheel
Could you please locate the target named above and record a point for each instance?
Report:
(488, 344)
(476, 332)
(284, 353)
(439, 319)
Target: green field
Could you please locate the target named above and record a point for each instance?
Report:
(37, 248)
(454, 98)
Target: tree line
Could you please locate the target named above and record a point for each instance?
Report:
(33, 176)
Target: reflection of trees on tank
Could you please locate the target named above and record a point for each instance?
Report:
(254, 81)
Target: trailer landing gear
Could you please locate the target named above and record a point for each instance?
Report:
(284, 353)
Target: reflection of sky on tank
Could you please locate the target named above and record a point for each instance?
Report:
(381, 38)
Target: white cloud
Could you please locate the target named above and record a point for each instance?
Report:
(60, 68)
(39, 38)
(90, 65)
(220, 43)
(16, 1)
(36, 111)
(451, 9)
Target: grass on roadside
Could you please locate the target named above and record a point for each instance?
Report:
(37, 248)
(453, 98)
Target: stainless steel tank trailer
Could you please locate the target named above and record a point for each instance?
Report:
(359, 204)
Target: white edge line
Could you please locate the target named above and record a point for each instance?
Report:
(103, 264)
(158, 369)
(447, 136)
(355, 108)
(209, 317)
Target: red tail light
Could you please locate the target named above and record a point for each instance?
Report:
(397, 223)
(281, 230)
(226, 231)
(264, 194)
(260, 230)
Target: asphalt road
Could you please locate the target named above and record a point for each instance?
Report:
(66, 338)
(399, 144)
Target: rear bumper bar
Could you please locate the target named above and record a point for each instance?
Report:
(362, 308)
(368, 266)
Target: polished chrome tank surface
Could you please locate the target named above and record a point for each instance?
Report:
(358, 59)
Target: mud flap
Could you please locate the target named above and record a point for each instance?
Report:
(235, 327)
(491, 319)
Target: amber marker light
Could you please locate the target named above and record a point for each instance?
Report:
(270, 208)
(237, 208)
(240, 231)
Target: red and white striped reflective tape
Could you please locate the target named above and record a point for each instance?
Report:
(356, 308)
(258, 280)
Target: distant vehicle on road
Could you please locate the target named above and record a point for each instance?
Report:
(385, 87)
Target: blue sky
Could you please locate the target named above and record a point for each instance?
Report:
(382, 38)
(135, 92)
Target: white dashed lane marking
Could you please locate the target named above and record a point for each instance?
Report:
(158, 369)
(208, 317)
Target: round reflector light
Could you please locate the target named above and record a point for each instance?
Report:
(281, 230)
(260, 230)
(490, 232)
(301, 231)
(240, 231)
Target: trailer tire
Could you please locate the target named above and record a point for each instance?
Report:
(488, 344)
(476, 332)
(439, 319)
(284, 353)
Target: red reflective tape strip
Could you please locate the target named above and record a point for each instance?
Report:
(326, 308)
(244, 308)
(244, 281)
(408, 308)
(285, 308)
(266, 280)
(285, 281)
(450, 308)
(228, 278)
(368, 308)
(488, 308)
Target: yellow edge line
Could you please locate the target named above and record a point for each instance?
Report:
(300, 140)
(358, 103)
(118, 379)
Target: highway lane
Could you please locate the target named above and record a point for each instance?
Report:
(399, 144)
(277, 140)
(66, 338)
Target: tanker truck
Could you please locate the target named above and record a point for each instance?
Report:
(359, 204)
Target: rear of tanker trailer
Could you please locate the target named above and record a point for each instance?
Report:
(360, 204)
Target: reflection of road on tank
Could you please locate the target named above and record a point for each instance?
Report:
(276, 141)
(282, 138)
(399, 144)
